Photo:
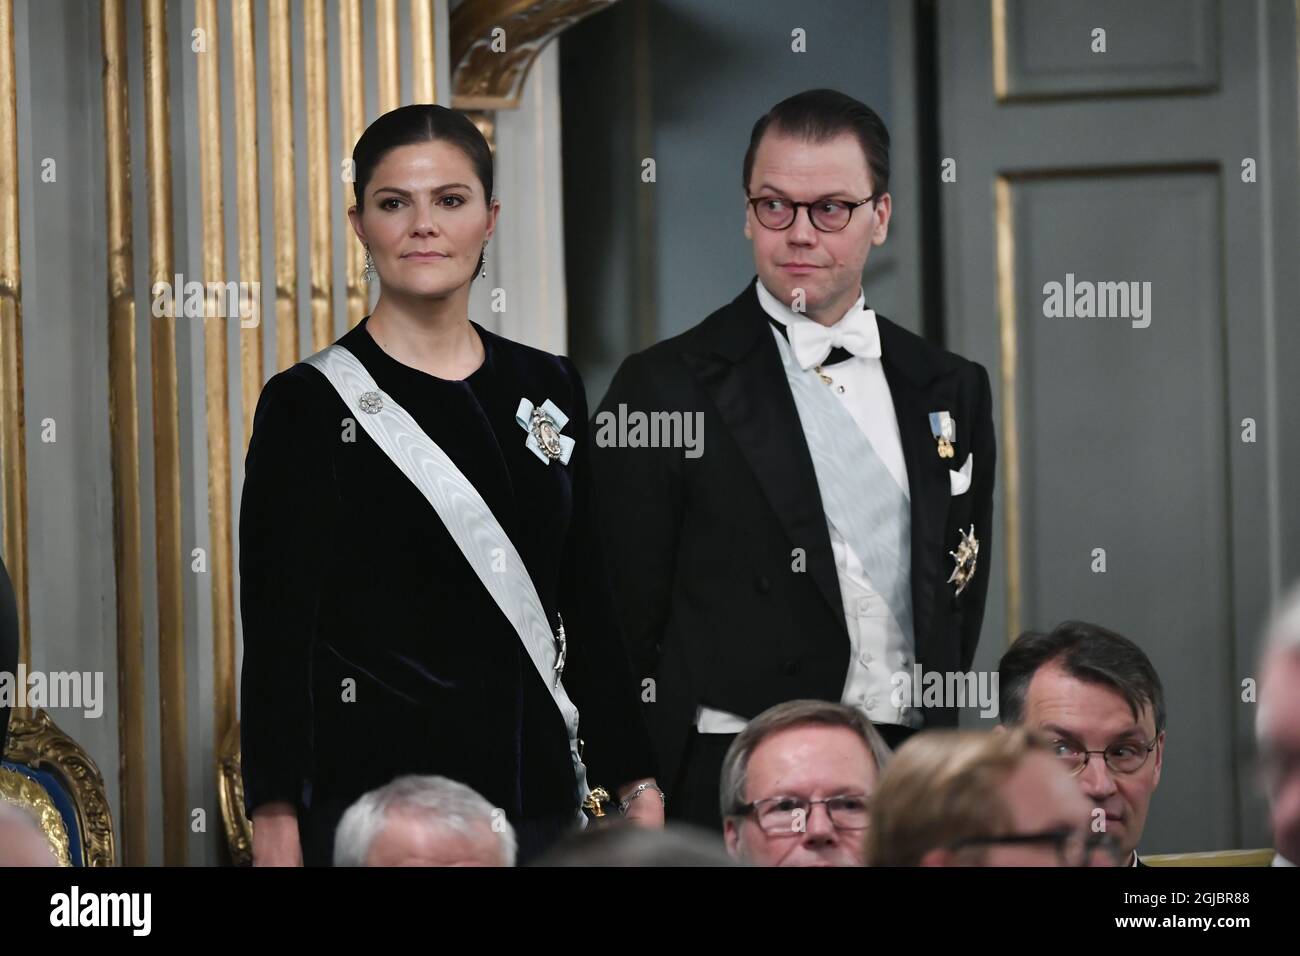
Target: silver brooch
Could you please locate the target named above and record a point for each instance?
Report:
(543, 424)
(371, 402)
(545, 432)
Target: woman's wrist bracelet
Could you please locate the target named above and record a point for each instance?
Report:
(640, 789)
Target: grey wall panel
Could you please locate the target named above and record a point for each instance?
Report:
(1164, 46)
(1225, 292)
(1123, 436)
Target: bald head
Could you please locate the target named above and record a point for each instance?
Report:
(22, 843)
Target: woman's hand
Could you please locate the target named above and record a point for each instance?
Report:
(647, 810)
(275, 836)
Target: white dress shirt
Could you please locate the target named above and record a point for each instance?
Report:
(878, 646)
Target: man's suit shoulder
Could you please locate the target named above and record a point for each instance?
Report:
(922, 354)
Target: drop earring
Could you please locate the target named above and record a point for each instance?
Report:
(482, 271)
(369, 273)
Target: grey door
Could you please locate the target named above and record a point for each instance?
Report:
(1121, 435)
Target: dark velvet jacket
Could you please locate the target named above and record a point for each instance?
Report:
(346, 573)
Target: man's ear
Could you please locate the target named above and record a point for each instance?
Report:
(731, 837)
(883, 209)
(1160, 758)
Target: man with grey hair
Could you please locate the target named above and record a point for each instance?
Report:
(1277, 728)
(796, 785)
(424, 821)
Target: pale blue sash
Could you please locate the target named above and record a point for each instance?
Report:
(859, 495)
(466, 516)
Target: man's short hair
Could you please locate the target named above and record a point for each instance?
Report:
(944, 786)
(1087, 652)
(793, 713)
(438, 799)
(821, 115)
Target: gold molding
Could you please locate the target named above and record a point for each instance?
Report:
(123, 415)
(13, 419)
(1006, 297)
(319, 172)
(166, 443)
(244, 51)
(1212, 858)
(280, 57)
(352, 119)
(230, 792)
(999, 19)
(486, 123)
(35, 741)
(424, 80)
(216, 361)
(388, 56)
(484, 79)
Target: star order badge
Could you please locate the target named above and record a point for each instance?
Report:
(966, 556)
(561, 651)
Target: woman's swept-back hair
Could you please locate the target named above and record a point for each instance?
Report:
(419, 123)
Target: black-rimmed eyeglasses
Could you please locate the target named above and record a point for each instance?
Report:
(826, 215)
(783, 816)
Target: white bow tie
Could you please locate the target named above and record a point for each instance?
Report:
(856, 332)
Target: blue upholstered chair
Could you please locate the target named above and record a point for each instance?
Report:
(48, 773)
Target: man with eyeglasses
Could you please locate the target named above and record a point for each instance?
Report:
(967, 798)
(796, 785)
(835, 529)
(1097, 699)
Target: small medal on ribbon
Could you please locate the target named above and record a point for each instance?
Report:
(944, 429)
